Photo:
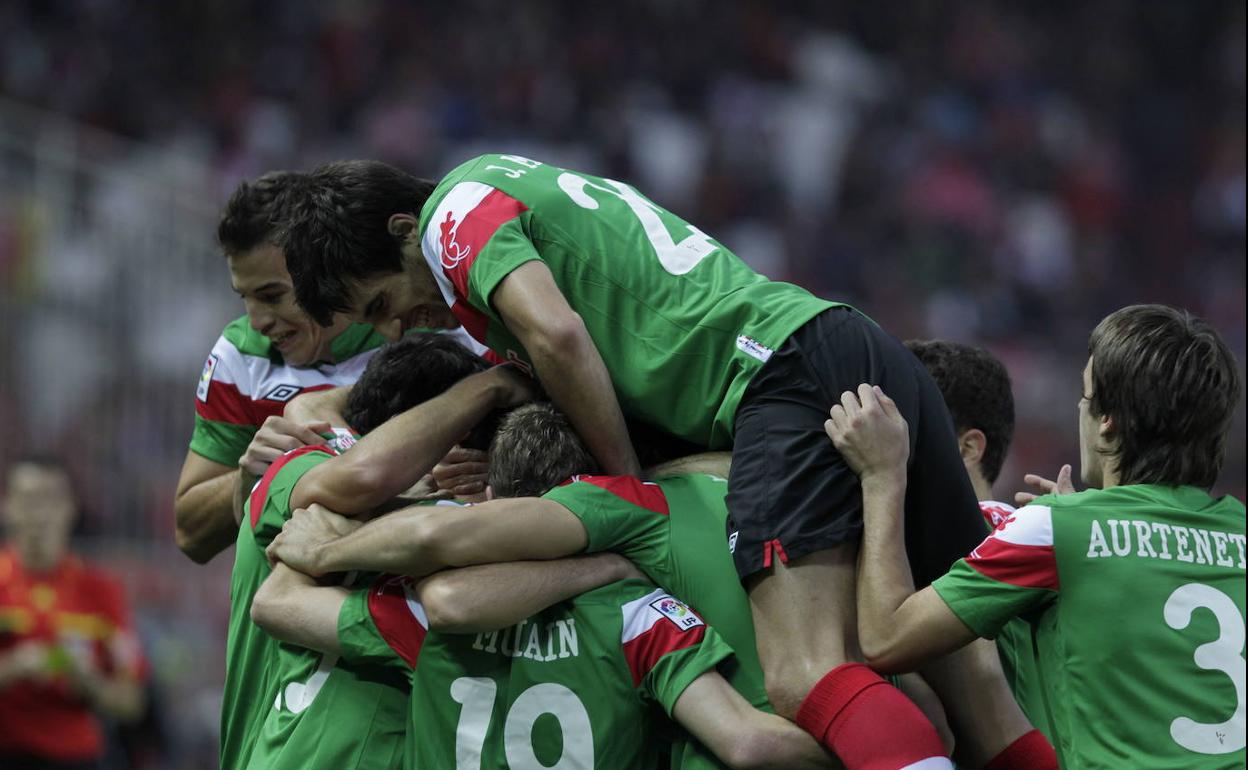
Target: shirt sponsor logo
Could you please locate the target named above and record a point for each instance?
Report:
(282, 393)
(205, 377)
(677, 612)
(452, 251)
(753, 348)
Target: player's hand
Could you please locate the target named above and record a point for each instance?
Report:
(463, 471)
(276, 437)
(1062, 486)
(308, 531)
(870, 432)
(28, 660)
(78, 663)
(512, 387)
(318, 406)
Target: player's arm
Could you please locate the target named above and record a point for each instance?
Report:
(423, 539)
(741, 735)
(118, 694)
(487, 597)
(202, 508)
(713, 463)
(208, 504)
(898, 629)
(115, 688)
(292, 608)
(393, 457)
(568, 363)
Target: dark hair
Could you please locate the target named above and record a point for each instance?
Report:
(977, 392)
(534, 449)
(406, 373)
(1170, 385)
(254, 212)
(338, 230)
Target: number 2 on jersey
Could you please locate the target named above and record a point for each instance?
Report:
(1224, 654)
(676, 258)
(477, 695)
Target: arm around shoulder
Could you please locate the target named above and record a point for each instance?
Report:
(291, 607)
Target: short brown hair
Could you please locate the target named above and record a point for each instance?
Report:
(255, 211)
(338, 232)
(534, 449)
(1170, 384)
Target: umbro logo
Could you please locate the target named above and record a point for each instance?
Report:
(282, 393)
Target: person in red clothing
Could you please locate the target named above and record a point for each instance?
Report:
(67, 649)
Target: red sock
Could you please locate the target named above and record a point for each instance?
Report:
(1032, 751)
(869, 724)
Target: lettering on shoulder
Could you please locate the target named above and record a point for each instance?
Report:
(1156, 540)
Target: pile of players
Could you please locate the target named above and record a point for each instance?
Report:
(608, 498)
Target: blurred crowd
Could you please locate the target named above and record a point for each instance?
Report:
(997, 174)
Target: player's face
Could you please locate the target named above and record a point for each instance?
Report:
(259, 276)
(1089, 434)
(395, 303)
(39, 512)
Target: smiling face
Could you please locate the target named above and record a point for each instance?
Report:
(396, 302)
(259, 276)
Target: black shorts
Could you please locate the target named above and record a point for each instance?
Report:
(790, 493)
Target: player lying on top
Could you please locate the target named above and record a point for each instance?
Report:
(596, 664)
(622, 309)
(1135, 588)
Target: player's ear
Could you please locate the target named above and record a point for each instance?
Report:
(402, 225)
(1107, 430)
(972, 444)
(489, 493)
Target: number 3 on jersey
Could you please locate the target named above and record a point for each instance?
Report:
(477, 695)
(1224, 654)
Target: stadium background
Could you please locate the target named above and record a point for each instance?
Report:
(996, 175)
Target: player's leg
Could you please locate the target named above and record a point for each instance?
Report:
(942, 525)
(795, 518)
(987, 722)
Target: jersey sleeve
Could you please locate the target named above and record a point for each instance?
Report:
(620, 513)
(1012, 572)
(474, 238)
(667, 646)
(224, 419)
(383, 624)
(268, 506)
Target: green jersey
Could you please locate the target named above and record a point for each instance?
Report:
(675, 531)
(1016, 644)
(1136, 595)
(681, 322)
(573, 686)
(245, 381)
(284, 706)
